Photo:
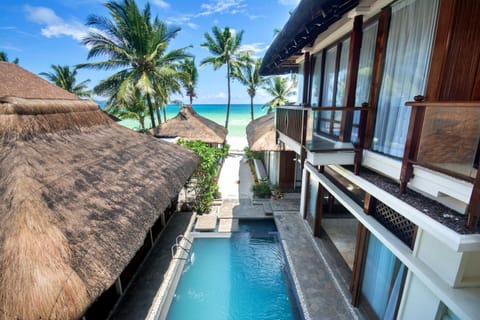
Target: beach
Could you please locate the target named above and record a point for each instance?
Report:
(239, 119)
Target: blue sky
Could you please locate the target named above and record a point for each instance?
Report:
(42, 33)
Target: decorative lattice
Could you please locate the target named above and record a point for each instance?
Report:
(400, 226)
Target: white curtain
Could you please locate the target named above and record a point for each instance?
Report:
(300, 84)
(365, 69)
(317, 73)
(380, 272)
(407, 58)
(312, 204)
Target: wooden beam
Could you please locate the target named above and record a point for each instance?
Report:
(306, 78)
(474, 205)
(358, 262)
(307, 195)
(317, 231)
(377, 72)
(369, 204)
(351, 80)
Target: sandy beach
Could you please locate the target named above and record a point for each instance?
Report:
(237, 143)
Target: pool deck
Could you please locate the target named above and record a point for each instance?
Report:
(322, 290)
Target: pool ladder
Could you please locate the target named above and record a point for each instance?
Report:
(178, 244)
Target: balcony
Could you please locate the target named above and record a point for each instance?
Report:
(443, 137)
(324, 135)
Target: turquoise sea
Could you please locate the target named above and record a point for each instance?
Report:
(239, 116)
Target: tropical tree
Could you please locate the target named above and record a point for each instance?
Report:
(224, 45)
(191, 77)
(65, 78)
(281, 89)
(134, 108)
(249, 76)
(4, 57)
(137, 44)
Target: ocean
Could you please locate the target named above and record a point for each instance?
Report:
(239, 116)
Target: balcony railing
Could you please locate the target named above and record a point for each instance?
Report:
(325, 129)
(444, 136)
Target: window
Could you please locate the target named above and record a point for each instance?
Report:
(333, 91)
(407, 57)
(365, 70)
(316, 77)
(382, 279)
(300, 84)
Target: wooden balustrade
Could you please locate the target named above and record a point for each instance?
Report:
(417, 117)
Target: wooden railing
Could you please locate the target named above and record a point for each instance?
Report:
(292, 122)
(412, 145)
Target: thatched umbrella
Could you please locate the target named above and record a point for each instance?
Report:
(261, 134)
(189, 125)
(78, 194)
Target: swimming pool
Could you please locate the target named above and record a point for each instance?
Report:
(242, 277)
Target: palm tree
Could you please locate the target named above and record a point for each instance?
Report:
(249, 76)
(4, 57)
(224, 46)
(191, 77)
(280, 88)
(136, 44)
(65, 78)
(135, 108)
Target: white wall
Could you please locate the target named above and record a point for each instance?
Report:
(273, 166)
(418, 302)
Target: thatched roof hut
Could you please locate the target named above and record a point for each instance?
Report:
(78, 194)
(189, 125)
(261, 134)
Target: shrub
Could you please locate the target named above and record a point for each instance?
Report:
(261, 190)
(252, 154)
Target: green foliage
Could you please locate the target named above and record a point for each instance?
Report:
(252, 154)
(261, 190)
(281, 89)
(65, 78)
(249, 76)
(206, 186)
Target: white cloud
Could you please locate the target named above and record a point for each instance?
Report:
(192, 25)
(289, 2)
(162, 4)
(254, 48)
(54, 26)
(222, 7)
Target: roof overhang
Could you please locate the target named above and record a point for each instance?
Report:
(310, 18)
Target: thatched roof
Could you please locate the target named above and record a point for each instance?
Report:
(261, 134)
(310, 18)
(78, 194)
(189, 125)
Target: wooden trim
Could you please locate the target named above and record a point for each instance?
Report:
(340, 108)
(307, 195)
(474, 204)
(369, 204)
(360, 145)
(351, 79)
(377, 72)
(306, 78)
(317, 231)
(322, 73)
(445, 104)
(412, 144)
(440, 48)
(360, 251)
(335, 84)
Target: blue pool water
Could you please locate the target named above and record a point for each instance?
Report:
(238, 278)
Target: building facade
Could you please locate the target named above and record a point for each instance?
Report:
(387, 129)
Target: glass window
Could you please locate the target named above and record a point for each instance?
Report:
(382, 279)
(300, 84)
(407, 60)
(365, 69)
(316, 77)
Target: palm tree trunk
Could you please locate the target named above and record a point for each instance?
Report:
(228, 92)
(164, 107)
(142, 123)
(251, 106)
(191, 99)
(157, 111)
(150, 109)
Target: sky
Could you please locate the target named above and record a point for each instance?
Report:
(42, 33)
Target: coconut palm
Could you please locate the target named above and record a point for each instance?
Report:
(224, 46)
(4, 57)
(65, 78)
(191, 77)
(249, 76)
(137, 45)
(135, 108)
(280, 88)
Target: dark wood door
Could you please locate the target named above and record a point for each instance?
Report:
(287, 170)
